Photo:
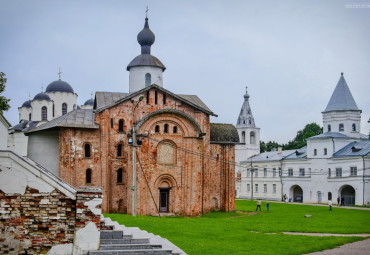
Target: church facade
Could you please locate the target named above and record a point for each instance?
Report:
(184, 164)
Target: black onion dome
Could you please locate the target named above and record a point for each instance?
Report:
(27, 104)
(146, 37)
(59, 86)
(89, 102)
(41, 96)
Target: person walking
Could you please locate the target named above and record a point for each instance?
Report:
(268, 206)
(342, 201)
(338, 200)
(330, 205)
(258, 205)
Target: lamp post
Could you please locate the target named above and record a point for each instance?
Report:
(252, 171)
(134, 145)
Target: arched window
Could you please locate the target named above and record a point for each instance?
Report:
(175, 130)
(119, 150)
(315, 152)
(354, 127)
(164, 99)
(119, 175)
(53, 110)
(87, 150)
(341, 127)
(243, 137)
(44, 113)
(157, 129)
(253, 138)
(325, 151)
(29, 116)
(166, 152)
(165, 128)
(155, 97)
(88, 175)
(329, 128)
(64, 108)
(147, 97)
(121, 125)
(148, 79)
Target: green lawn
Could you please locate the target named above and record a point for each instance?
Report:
(241, 233)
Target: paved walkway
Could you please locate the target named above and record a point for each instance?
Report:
(356, 248)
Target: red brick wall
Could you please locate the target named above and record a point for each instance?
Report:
(191, 189)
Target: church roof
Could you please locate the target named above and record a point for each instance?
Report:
(146, 60)
(42, 96)
(27, 104)
(341, 99)
(298, 154)
(59, 86)
(24, 125)
(269, 156)
(328, 135)
(354, 149)
(84, 118)
(223, 133)
(245, 118)
(107, 99)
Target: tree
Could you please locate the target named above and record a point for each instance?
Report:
(299, 141)
(4, 102)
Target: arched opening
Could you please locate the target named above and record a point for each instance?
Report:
(88, 176)
(165, 128)
(348, 195)
(214, 204)
(44, 113)
(315, 152)
(341, 127)
(175, 130)
(119, 150)
(156, 129)
(243, 137)
(64, 108)
(330, 196)
(29, 116)
(297, 193)
(121, 208)
(325, 151)
(121, 125)
(148, 79)
(120, 175)
(53, 110)
(253, 138)
(329, 128)
(354, 127)
(87, 150)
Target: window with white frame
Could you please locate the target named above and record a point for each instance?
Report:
(255, 172)
(265, 172)
(256, 188)
(274, 172)
(248, 188)
(290, 172)
(338, 172)
(274, 188)
(353, 171)
(264, 188)
(248, 173)
(301, 172)
(329, 172)
(341, 127)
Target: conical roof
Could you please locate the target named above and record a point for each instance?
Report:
(245, 118)
(341, 99)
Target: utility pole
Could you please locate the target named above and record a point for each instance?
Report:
(252, 171)
(134, 145)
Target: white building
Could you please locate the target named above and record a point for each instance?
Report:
(58, 99)
(249, 137)
(334, 164)
(4, 125)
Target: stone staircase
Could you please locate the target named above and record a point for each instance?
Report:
(117, 239)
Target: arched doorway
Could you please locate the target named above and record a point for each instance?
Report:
(167, 193)
(348, 193)
(164, 197)
(297, 194)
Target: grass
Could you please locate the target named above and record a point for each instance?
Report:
(243, 233)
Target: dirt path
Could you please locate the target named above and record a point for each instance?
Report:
(356, 248)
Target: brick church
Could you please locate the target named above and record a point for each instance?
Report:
(184, 163)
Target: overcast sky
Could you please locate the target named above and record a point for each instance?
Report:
(289, 53)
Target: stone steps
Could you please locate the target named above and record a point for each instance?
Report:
(117, 239)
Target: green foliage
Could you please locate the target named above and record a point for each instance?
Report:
(244, 233)
(4, 102)
(299, 141)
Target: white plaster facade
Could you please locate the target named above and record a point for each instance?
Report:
(4, 126)
(334, 164)
(58, 98)
(137, 80)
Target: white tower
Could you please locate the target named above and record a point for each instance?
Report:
(249, 134)
(145, 69)
(342, 114)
